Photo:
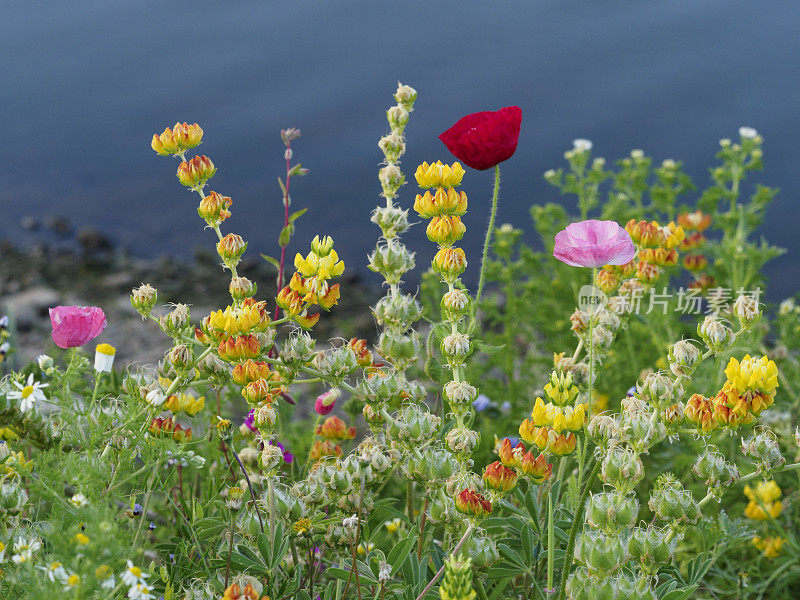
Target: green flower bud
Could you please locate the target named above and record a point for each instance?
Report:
(392, 220)
(457, 580)
(671, 502)
(392, 260)
(611, 511)
(715, 334)
(763, 447)
(712, 467)
(582, 586)
(622, 468)
(649, 547)
(601, 552)
(634, 589)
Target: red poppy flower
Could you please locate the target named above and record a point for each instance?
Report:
(485, 139)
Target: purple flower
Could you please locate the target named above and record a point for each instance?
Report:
(481, 403)
(250, 421)
(593, 244)
(288, 457)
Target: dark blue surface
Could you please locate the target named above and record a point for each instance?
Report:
(86, 84)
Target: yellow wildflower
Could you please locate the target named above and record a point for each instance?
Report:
(302, 526)
(439, 175)
(770, 547)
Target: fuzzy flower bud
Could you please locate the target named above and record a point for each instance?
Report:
(460, 393)
(763, 447)
(715, 334)
(230, 248)
(179, 139)
(461, 441)
(144, 298)
(456, 347)
(241, 288)
(473, 504)
(683, 357)
(405, 96)
(671, 502)
(180, 357)
(622, 468)
(611, 511)
(450, 263)
(747, 311)
(397, 117)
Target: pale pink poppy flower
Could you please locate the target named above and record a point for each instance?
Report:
(75, 325)
(594, 244)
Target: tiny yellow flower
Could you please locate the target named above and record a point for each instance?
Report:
(770, 547)
(302, 526)
(80, 539)
(393, 526)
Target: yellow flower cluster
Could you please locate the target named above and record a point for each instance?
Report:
(764, 503)
(551, 423)
(237, 320)
(770, 546)
(183, 402)
(309, 285)
(749, 389)
(436, 175)
(444, 208)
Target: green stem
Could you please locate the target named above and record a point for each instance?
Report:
(488, 239)
(551, 540)
(573, 532)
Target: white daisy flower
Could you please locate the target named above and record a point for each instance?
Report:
(747, 132)
(582, 145)
(2, 552)
(24, 549)
(71, 580)
(79, 501)
(109, 583)
(28, 394)
(133, 575)
(55, 571)
(140, 592)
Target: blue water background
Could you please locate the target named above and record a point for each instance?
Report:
(85, 84)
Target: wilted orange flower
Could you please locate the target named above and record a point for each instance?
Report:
(360, 349)
(324, 448)
(694, 221)
(333, 428)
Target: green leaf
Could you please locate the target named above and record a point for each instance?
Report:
(286, 235)
(681, 594)
(274, 262)
(297, 214)
(401, 550)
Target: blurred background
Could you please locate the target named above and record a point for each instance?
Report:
(86, 83)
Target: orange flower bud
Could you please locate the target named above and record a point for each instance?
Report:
(249, 371)
(535, 467)
(472, 503)
(702, 282)
(214, 208)
(450, 263)
(607, 280)
(445, 230)
(695, 240)
(511, 456)
(500, 477)
(231, 247)
(234, 592)
(196, 172)
(258, 392)
(240, 348)
(647, 272)
(694, 221)
(699, 412)
(177, 140)
(695, 262)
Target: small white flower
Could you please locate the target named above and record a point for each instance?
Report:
(79, 500)
(109, 583)
(155, 397)
(55, 571)
(350, 522)
(384, 572)
(140, 591)
(747, 132)
(28, 394)
(104, 358)
(133, 576)
(24, 549)
(582, 145)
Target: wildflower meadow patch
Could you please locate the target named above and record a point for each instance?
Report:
(609, 413)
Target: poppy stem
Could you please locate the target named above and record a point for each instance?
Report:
(488, 239)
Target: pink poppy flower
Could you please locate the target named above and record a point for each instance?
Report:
(75, 325)
(593, 244)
